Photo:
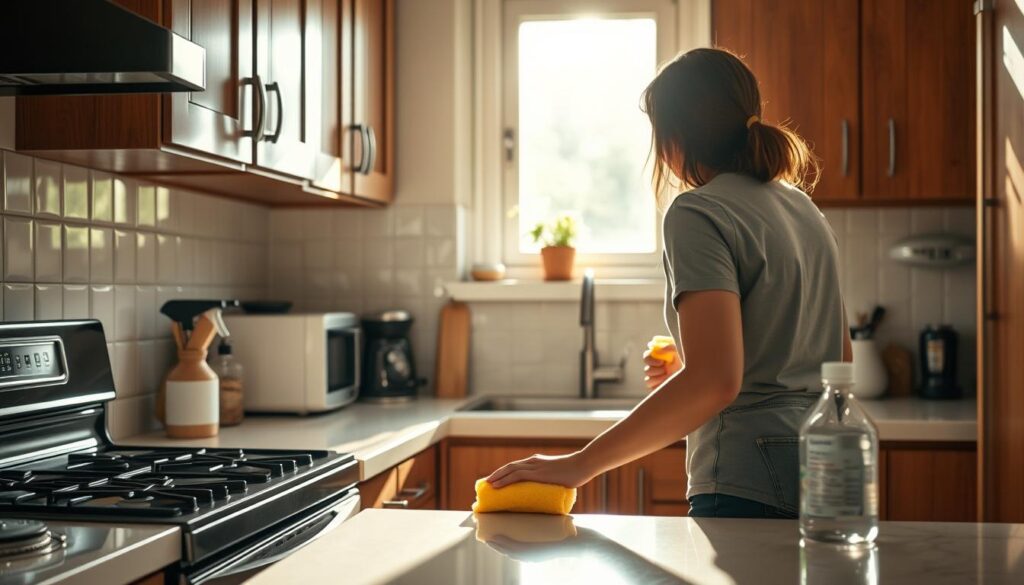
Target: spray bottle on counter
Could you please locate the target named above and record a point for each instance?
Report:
(192, 395)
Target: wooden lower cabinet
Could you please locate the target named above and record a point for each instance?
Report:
(410, 485)
(917, 481)
(653, 486)
(929, 483)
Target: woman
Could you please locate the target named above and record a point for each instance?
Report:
(752, 301)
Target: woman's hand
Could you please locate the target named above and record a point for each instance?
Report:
(567, 470)
(657, 371)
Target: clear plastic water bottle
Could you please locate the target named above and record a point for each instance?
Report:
(838, 465)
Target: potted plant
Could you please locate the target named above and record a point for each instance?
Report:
(558, 252)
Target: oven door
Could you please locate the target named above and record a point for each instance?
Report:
(242, 564)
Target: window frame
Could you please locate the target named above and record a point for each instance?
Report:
(681, 25)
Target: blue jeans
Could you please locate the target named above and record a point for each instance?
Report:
(723, 506)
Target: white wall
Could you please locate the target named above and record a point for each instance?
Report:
(432, 97)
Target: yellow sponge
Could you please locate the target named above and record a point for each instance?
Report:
(662, 348)
(525, 496)
(524, 528)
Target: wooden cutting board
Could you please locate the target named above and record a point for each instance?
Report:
(453, 351)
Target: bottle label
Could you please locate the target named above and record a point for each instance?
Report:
(838, 479)
(192, 402)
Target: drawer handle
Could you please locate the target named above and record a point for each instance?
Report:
(408, 497)
(845, 164)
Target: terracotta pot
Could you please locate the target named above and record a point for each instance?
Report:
(558, 261)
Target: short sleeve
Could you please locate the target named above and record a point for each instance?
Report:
(698, 252)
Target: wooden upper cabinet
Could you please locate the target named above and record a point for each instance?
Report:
(216, 121)
(333, 157)
(288, 69)
(804, 54)
(918, 99)
(373, 98)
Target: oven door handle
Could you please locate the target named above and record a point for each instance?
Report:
(341, 512)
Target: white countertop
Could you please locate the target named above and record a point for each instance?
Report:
(383, 435)
(427, 547)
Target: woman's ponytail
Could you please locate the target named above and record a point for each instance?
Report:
(776, 152)
(705, 113)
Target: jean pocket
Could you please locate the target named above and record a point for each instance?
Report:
(781, 456)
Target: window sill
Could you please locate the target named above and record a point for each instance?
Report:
(632, 289)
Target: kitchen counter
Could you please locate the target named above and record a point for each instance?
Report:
(383, 435)
(409, 546)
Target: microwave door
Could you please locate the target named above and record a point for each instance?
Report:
(343, 376)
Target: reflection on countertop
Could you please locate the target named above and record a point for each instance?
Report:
(383, 435)
(425, 547)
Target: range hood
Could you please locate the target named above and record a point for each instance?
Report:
(53, 47)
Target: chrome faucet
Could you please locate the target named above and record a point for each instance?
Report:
(590, 372)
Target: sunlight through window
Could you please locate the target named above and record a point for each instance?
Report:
(583, 139)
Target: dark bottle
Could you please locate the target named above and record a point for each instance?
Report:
(937, 351)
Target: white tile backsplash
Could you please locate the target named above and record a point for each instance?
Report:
(18, 182)
(72, 249)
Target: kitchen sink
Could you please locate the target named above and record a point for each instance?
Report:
(547, 404)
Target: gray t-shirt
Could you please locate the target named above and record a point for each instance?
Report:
(769, 244)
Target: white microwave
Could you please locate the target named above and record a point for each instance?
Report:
(297, 362)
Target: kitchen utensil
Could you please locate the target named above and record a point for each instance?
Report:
(866, 326)
(453, 351)
(938, 347)
(389, 368)
(870, 378)
(900, 365)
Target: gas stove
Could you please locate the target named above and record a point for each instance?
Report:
(237, 509)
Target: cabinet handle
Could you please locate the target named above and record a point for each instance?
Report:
(274, 87)
(261, 111)
(846, 148)
(371, 139)
(640, 488)
(892, 148)
(410, 495)
(364, 147)
(604, 493)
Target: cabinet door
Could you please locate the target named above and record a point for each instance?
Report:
(214, 121)
(467, 463)
(380, 488)
(417, 481)
(930, 484)
(804, 54)
(918, 99)
(288, 36)
(333, 158)
(373, 98)
(654, 485)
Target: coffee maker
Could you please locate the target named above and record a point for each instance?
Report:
(389, 369)
(937, 350)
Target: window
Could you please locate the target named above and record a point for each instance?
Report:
(575, 140)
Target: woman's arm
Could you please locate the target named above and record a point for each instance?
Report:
(711, 333)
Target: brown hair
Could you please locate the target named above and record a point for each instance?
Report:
(705, 110)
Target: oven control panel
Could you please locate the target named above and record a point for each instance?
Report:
(31, 361)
